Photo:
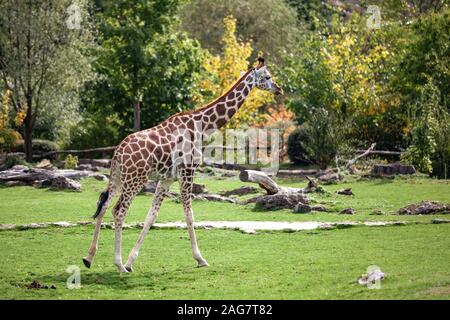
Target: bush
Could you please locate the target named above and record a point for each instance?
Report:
(71, 162)
(12, 160)
(40, 146)
(327, 136)
(8, 139)
(297, 147)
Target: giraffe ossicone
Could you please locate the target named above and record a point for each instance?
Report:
(167, 152)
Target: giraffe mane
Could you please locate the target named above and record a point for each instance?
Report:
(187, 112)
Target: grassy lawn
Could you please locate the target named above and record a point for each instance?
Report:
(304, 265)
(273, 265)
(27, 204)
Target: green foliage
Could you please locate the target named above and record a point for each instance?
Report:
(8, 139)
(70, 162)
(423, 141)
(40, 146)
(96, 130)
(327, 135)
(427, 57)
(11, 160)
(48, 59)
(430, 148)
(297, 147)
(141, 57)
(270, 25)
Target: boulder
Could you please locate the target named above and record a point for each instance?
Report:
(280, 201)
(104, 163)
(242, 191)
(15, 183)
(392, 168)
(198, 188)
(59, 183)
(328, 176)
(213, 197)
(346, 192)
(426, 207)
(348, 211)
(302, 208)
(319, 207)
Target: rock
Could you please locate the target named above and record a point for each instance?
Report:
(198, 188)
(104, 163)
(100, 177)
(426, 207)
(15, 183)
(376, 212)
(59, 183)
(346, 192)
(319, 207)
(328, 176)
(348, 211)
(213, 197)
(19, 167)
(302, 208)
(392, 168)
(150, 187)
(240, 191)
(45, 164)
(280, 201)
(84, 167)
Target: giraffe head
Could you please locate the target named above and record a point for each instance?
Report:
(264, 80)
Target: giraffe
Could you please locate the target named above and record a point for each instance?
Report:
(165, 153)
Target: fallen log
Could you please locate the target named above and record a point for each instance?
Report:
(276, 197)
(350, 164)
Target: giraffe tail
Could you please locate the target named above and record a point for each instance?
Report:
(101, 202)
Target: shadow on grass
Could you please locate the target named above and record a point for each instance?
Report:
(112, 279)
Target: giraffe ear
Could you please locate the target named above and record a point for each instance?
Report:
(261, 62)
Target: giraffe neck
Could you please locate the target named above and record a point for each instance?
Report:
(219, 112)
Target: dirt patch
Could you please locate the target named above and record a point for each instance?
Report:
(37, 285)
(438, 291)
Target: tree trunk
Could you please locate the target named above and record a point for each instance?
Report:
(137, 115)
(28, 135)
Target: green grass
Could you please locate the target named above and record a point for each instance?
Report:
(304, 265)
(27, 204)
(322, 264)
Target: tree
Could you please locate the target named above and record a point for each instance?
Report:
(148, 69)
(41, 55)
(270, 25)
(427, 57)
(223, 70)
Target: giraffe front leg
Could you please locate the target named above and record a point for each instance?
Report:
(186, 190)
(161, 189)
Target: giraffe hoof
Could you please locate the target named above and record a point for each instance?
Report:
(87, 263)
(129, 269)
(203, 264)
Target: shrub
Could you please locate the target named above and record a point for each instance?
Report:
(12, 160)
(327, 136)
(8, 139)
(40, 146)
(297, 147)
(71, 162)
